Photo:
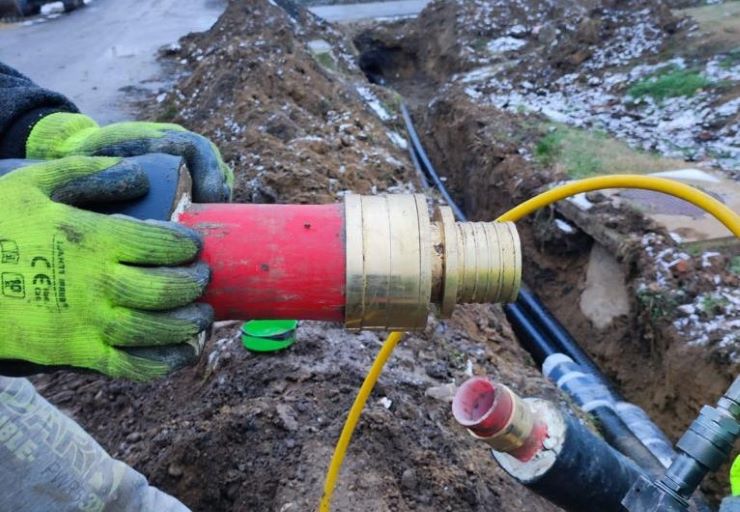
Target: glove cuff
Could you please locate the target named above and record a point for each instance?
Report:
(56, 135)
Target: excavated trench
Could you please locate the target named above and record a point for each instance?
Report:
(590, 289)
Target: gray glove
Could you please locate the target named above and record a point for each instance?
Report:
(48, 463)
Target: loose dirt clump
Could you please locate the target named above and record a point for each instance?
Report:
(256, 432)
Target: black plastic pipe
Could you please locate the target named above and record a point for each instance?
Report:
(586, 474)
(423, 160)
(525, 328)
(554, 330)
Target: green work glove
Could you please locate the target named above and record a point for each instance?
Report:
(735, 477)
(81, 289)
(63, 134)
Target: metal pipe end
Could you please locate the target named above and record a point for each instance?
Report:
(482, 261)
(494, 414)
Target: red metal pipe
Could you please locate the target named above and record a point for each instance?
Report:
(272, 261)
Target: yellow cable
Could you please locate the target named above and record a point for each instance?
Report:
(694, 196)
(354, 416)
(674, 188)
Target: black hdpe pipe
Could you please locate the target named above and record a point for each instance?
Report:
(586, 475)
(562, 340)
(539, 332)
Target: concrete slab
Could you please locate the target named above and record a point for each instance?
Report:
(690, 223)
(369, 10)
(605, 296)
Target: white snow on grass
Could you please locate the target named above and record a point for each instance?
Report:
(52, 8)
(505, 44)
(373, 102)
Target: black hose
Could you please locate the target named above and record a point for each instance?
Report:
(582, 473)
(528, 335)
(617, 434)
(554, 330)
(427, 165)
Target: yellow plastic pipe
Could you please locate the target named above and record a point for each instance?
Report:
(674, 188)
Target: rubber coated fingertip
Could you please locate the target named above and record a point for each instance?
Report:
(172, 356)
(183, 231)
(123, 181)
(198, 314)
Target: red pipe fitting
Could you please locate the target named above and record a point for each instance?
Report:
(374, 262)
(495, 414)
(272, 261)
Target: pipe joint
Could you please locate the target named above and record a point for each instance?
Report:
(496, 415)
(401, 262)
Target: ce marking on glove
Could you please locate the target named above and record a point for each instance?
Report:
(14, 285)
(42, 283)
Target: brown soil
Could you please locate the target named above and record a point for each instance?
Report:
(247, 432)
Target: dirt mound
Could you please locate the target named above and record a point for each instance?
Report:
(291, 121)
(248, 432)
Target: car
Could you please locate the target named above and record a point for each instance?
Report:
(31, 7)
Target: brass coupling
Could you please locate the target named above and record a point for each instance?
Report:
(401, 263)
(518, 427)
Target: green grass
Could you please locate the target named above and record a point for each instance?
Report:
(735, 265)
(581, 154)
(327, 61)
(731, 59)
(711, 305)
(669, 82)
(657, 303)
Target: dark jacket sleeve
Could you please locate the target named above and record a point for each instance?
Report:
(22, 104)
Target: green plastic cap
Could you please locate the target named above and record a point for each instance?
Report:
(268, 335)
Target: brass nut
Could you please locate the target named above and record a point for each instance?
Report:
(399, 263)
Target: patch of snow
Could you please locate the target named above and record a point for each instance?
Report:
(373, 102)
(564, 226)
(505, 44)
(398, 139)
(581, 201)
(52, 8)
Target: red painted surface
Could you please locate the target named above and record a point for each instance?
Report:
(272, 261)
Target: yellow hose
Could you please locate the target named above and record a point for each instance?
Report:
(674, 188)
(694, 196)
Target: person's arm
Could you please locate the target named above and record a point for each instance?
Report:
(37, 123)
(22, 105)
(47, 462)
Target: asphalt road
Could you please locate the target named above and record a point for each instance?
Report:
(103, 56)
(370, 10)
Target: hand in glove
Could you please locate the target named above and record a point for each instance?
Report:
(64, 134)
(106, 293)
